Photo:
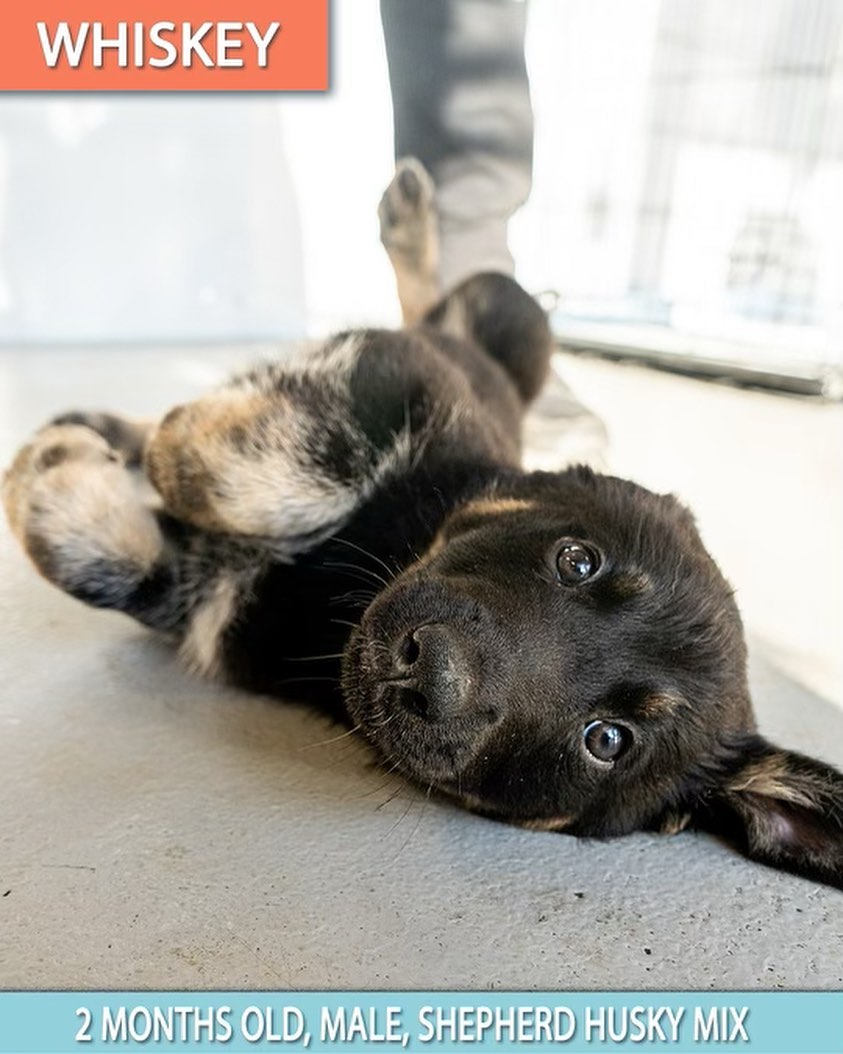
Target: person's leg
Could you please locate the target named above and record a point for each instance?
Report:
(461, 104)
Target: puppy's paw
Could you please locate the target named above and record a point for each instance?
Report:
(409, 233)
(52, 447)
(406, 211)
(73, 507)
(125, 434)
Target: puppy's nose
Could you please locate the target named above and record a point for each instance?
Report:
(434, 672)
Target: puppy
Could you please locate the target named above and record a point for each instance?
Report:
(353, 528)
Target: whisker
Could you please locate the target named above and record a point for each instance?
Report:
(410, 836)
(314, 658)
(393, 574)
(354, 596)
(401, 818)
(390, 798)
(377, 790)
(296, 680)
(393, 766)
(390, 775)
(332, 739)
(356, 569)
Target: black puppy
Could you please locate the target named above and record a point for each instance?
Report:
(553, 649)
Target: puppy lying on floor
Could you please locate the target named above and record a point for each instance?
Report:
(553, 649)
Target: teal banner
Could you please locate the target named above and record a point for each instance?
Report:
(249, 1022)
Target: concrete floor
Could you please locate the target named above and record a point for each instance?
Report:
(156, 831)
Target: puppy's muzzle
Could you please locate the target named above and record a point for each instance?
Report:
(432, 673)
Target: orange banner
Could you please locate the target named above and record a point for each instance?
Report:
(164, 45)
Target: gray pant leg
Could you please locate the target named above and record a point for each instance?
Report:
(461, 103)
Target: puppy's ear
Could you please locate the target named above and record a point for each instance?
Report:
(778, 807)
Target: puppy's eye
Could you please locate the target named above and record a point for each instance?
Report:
(606, 741)
(576, 562)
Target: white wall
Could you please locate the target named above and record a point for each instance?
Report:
(146, 218)
(191, 217)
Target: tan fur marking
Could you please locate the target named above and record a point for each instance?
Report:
(552, 823)
(495, 506)
(770, 777)
(418, 290)
(470, 801)
(232, 461)
(631, 584)
(484, 507)
(200, 649)
(660, 704)
(454, 320)
(675, 822)
(435, 547)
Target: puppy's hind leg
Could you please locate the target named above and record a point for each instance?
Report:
(409, 233)
(488, 309)
(73, 506)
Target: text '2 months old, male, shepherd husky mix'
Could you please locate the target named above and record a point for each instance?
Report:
(552, 649)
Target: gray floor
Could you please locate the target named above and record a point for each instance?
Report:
(158, 831)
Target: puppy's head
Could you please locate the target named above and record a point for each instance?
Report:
(567, 655)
